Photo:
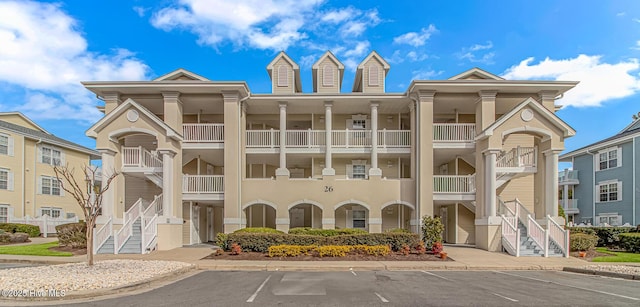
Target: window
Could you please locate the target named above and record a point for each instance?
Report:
(51, 212)
(609, 191)
(609, 158)
(4, 144)
(50, 186)
(51, 156)
(283, 76)
(359, 219)
(6, 179)
(359, 171)
(360, 124)
(327, 75)
(4, 214)
(611, 219)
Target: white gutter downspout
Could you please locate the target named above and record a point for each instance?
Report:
(35, 178)
(593, 174)
(633, 204)
(24, 179)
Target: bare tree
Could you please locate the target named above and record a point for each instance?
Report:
(86, 194)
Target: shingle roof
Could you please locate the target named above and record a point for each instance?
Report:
(47, 138)
(612, 138)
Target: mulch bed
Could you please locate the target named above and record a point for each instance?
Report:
(74, 251)
(351, 257)
(590, 255)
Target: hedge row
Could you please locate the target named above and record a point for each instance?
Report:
(582, 241)
(72, 234)
(260, 242)
(257, 230)
(607, 236)
(31, 230)
(325, 232)
(327, 250)
(18, 237)
(630, 242)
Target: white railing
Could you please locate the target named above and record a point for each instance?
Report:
(511, 235)
(152, 208)
(538, 234)
(351, 138)
(101, 236)
(454, 132)
(454, 183)
(46, 223)
(518, 157)
(559, 235)
(203, 133)
(394, 138)
(139, 157)
(120, 238)
(149, 232)
(568, 175)
(263, 138)
(306, 138)
(202, 184)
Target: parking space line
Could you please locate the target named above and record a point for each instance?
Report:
(570, 286)
(436, 275)
(504, 297)
(253, 297)
(354, 273)
(384, 300)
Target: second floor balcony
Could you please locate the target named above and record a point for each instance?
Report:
(202, 187)
(203, 135)
(447, 135)
(568, 177)
(570, 206)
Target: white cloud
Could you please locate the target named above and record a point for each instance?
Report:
(412, 56)
(141, 11)
(637, 46)
(599, 81)
(620, 14)
(477, 53)
(338, 16)
(416, 39)
(425, 74)
(45, 55)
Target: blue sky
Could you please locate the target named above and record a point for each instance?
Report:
(48, 47)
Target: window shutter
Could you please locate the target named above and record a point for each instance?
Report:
(349, 123)
(283, 76)
(10, 181)
(10, 146)
(10, 214)
(373, 75)
(61, 189)
(39, 191)
(327, 75)
(366, 170)
(349, 171)
(619, 190)
(62, 158)
(40, 154)
(619, 149)
(349, 218)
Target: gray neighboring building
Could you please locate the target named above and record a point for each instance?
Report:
(602, 183)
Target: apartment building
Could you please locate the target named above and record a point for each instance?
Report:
(28, 185)
(201, 157)
(601, 187)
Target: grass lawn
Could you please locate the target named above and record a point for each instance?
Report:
(34, 250)
(616, 256)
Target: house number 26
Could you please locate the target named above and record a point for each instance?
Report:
(328, 188)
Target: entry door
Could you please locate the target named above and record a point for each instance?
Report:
(297, 217)
(210, 235)
(195, 224)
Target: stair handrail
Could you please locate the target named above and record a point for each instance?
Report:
(510, 234)
(559, 235)
(538, 234)
(101, 236)
(152, 207)
(149, 232)
(504, 209)
(127, 228)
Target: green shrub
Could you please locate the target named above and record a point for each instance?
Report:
(221, 240)
(260, 242)
(257, 230)
(333, 250)
(630, 242)
(582, 241)
(325, 232)
(31, 230)
(72, 234)
(432, 229)
(18, 237)
(607, 236)
(398, 230)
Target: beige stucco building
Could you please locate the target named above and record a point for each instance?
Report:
(28, 184)
(201, 157)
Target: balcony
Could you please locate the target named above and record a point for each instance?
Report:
(202, 187)
(570, 206)
(447, 135)
(314, 141)
(139, 157)
(454, 187)
(568, 177)
(203, 135)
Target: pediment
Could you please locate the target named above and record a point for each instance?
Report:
(476, 74)
(181, 74)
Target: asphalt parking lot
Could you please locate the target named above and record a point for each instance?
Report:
(387, 288)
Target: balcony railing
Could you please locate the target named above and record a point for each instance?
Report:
(339, 138)
(454, 132)
(203, 133)
(139, 157)
(454, 183)
(568, 175)
(202, 184)
(518, 157)
(570, 205)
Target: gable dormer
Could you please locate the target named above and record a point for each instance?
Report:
(371, 74)
(284, 74)
(475, 74)
(327, 74)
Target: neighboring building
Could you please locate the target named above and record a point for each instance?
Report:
(601, 188)
(210, 156)
(28, 185)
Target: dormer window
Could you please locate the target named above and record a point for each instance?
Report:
(283, 76)
(327, 75)
(374, 78)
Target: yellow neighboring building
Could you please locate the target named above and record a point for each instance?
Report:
(201, 157)
(28, 186)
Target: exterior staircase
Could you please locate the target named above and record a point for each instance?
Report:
(133, 245)
(107, 247)
(529, 247)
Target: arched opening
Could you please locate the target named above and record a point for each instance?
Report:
(141, 167)
(352, 215)
(397, 215)
(305, 215)
(260, 215)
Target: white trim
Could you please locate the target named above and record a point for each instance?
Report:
(303, 202)
(610, 143)
(178, 73)
(608, 183)
(26, 119)
(260, 202)
(398, 202)
(351, 201)
(476, 71)
(617, 149)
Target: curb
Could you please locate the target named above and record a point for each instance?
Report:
(52, 262)
(602, 273)
(97, 293)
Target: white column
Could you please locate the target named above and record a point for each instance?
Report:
(282, 170)
(551, 182)
(328, 167)
(167, 182)
(108, 168)
(565, 196)
(374, 171)
(490, 182)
